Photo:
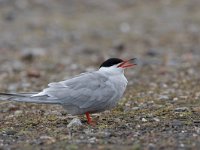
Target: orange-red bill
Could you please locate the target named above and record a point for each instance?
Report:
(128, 63)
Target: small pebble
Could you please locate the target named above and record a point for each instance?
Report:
(181, 109)
(163, 97)
(11, 132)
(175, 98)
(29, 54)
(156, 119)
(144, 120)
(33, 73)
(92, 140)
(151, 146)
(176, 123)
(18, 112)
(48, 139)
(74, 122)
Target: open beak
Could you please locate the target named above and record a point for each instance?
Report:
(128, 63)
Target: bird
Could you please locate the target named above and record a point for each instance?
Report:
(87, 93)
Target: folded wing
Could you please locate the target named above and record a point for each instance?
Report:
(89, 91)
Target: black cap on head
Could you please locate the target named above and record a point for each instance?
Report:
(110, 62)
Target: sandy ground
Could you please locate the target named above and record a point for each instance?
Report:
(43, 41)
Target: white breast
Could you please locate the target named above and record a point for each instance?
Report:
(118, 82)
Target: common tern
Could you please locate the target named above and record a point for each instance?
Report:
(87, 93)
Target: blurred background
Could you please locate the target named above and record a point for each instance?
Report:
(65, 37)
(42, 41)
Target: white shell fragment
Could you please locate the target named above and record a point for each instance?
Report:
(74, 122)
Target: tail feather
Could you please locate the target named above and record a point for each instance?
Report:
(28, 97)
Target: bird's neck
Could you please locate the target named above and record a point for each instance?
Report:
(111, 70)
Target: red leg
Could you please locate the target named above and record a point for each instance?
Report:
(89, 120)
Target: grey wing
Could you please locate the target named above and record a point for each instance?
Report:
(90, 91)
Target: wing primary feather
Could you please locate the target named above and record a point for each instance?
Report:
(27, 97)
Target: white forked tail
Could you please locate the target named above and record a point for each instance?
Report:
(28, 97)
